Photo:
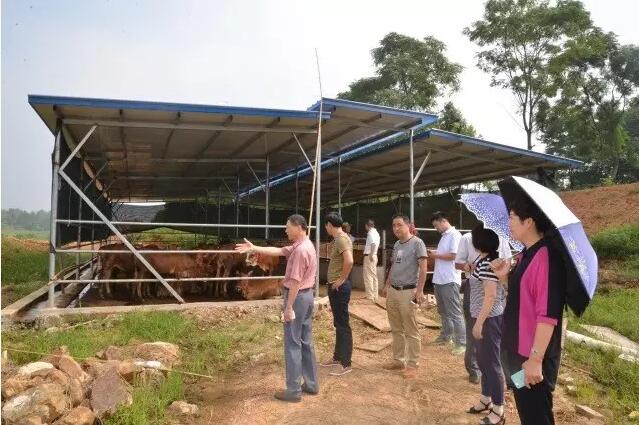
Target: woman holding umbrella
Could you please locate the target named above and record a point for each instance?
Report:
(533, 314)
(557, 267)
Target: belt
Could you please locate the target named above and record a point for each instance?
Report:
(401, 288)
(301, 290)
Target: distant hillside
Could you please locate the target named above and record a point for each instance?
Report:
(604, 207)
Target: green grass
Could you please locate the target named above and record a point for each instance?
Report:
(619, 243)
(25, 268)
(630, 267)
(618, 380)
(616, 308)
(25, 234)
(167, 236)
(150, 403)
(205, 349)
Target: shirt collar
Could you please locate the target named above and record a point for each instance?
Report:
(450, 229)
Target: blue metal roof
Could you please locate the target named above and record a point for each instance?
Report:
(332, 104)
(421, 132)
(505, 148)
(35, 100)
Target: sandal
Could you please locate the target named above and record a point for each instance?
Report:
(488, 407)
(486, 421)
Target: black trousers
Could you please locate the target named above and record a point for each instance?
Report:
(339, 300)
(534, 404)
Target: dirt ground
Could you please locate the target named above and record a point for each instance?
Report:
(369, 395)
(604, 207)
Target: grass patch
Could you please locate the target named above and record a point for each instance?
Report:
(619, 380)
(25, 234)
(21, 263)
(619, 243)
(150, 403)
(630, 267)
(616, 308)
(205, 349)
(166, 236)
(25, 267)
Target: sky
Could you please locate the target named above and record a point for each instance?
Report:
(225, 52)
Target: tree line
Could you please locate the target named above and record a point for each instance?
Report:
(575, 86)
(26, 220)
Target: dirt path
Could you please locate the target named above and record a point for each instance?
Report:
(368, 395)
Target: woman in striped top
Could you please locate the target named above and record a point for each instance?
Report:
(487, 301)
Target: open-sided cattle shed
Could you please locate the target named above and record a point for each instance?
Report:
(147, 151)
(113, 151)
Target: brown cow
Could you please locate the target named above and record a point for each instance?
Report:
(227, 264)
(117, 264)
(258, 289)
(176, 265)
(267, 263)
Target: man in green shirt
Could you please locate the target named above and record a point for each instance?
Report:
(339, 293)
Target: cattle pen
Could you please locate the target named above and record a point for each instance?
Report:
(108, 154)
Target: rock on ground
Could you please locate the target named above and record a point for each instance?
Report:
(166, 353)
(183, 408)
(77, 416)
(47, 401)
(108, 392)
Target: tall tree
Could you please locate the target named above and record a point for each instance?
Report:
(410, 74)
(451, 119)
(520, 39)
(593, 120)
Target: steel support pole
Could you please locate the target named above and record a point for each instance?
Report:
(219, 211)
(412, 179)
(267, 190)
(237, 205)
(297, 192)
(339, 186)
(79, 235)
(53, 233)
(318, 209)
(384, 255)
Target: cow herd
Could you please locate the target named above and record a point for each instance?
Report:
(113, 265)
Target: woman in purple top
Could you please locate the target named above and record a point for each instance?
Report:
(532, 319)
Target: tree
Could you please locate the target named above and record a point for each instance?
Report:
(521, 39)
(595, 117)
(451, 119)
(410, 74)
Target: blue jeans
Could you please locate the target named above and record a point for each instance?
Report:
(339, 300)
(299, 353)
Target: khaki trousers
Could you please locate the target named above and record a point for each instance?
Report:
(371, 283)
(407, 342)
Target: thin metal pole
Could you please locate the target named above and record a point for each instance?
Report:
(219, 210)
(77, 256)
(339, 186)
(206, 214)
(267, 190)
(162, 224)
(297, 192)
(357, 219)
(412, 179)
(237, 205)
(318, 175)
(384, 255)
(248, 221)
(55, 183)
